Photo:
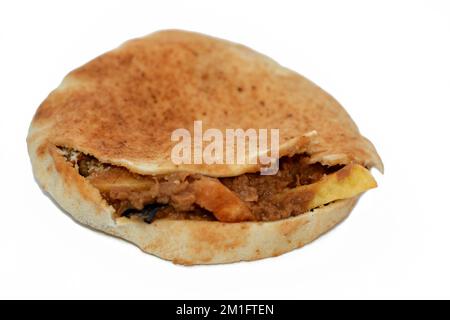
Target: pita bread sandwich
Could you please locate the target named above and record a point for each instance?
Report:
(101, 145)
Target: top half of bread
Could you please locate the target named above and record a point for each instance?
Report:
(123, 106)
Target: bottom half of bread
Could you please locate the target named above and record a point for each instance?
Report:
(185, 242)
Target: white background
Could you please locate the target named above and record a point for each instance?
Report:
(387, 62)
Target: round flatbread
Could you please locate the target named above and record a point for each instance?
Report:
(123, 106)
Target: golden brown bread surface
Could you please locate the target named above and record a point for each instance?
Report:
(123, 106)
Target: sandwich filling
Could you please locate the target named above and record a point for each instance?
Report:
(298, 187)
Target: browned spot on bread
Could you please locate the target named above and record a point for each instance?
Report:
(277, 253)
(206, 259)
(42, 150)
(218, 238)
(44, 112)
(258, 255)
(183, 262)
(289, 227)
(154, 245)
